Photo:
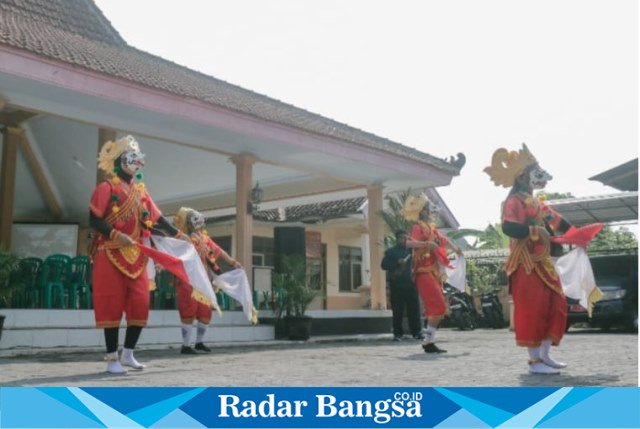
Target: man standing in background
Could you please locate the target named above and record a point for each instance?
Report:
(397, 263)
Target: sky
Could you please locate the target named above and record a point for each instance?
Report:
(440, 76)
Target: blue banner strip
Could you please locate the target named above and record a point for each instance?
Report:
(308, 407)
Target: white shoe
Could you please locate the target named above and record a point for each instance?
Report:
(549, 361)
(541, 368)
(114, 367)
(132, 362)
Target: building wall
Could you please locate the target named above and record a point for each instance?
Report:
(333, 234)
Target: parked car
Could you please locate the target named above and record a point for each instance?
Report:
(576, 313)
(617, 278)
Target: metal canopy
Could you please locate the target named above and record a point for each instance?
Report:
(619, 207)
(624, 177)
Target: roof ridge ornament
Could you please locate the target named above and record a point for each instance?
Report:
(458, 161)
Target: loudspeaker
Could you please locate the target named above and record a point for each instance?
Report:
(288, 240)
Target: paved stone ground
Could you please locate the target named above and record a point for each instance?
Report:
(475, 358)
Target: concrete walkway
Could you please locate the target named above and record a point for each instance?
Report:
(475, 358)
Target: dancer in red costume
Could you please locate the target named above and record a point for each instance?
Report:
(540, 309)
(190, 305)
(122, 213)
(428, 262)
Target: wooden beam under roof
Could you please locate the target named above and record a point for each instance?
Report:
(54, 205)
(10, 139)
(14, 119)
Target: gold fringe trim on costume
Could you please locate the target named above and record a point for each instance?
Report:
(108, 324)
(254, 316)
(200, 297)
(528, 343)
(556, 287)
(436, 318)
(130, 253)
(132, 275)
(594, 297)
(152, 285)
(554, 341)
(430, 269)
(128, 207)
(141, 323)
(541, 263)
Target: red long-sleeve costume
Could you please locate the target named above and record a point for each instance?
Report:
(189, 307)
(540, 311)
(120, 281)
(426, 267)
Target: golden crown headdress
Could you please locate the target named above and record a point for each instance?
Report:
(413, 205)
(111, 150)
(507, 165)
(180, 219)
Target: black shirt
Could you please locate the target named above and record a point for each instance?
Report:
(395, 274)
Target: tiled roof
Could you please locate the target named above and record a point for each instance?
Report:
(307, 212)
(72, 16)
(76, 32)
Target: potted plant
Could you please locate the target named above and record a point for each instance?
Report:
(293, 297)
(8, 264)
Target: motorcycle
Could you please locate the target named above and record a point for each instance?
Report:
(461, 311)
(492, 315)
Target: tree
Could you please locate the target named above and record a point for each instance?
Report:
(485, 276)
(610, 239)
(549, 196)
(491, 237)
(393, 217)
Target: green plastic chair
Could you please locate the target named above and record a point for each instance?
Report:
(266, 297)
(223, 301)
(256, 299)
(52, 278)
(79, 284)
(27, 276)
(165, 290)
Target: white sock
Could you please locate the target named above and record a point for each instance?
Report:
(127, 359)
(113, 364)
(534, 352)
(545, 347)
(536, 366)
(202, 328)
(186, 333)
(430, 334)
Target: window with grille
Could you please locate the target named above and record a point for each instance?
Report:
(350, 263)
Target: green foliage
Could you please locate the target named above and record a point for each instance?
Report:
(610, 239)
(292, 288)
(555, 195)
(8, 264)
(491, 237)
(485, 277)
(393, 217)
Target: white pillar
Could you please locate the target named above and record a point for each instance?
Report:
(244, 220)
(376, 236)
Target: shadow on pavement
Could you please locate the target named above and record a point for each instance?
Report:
(562, 380)
(174, 353)
(433, 356)
(67, 380)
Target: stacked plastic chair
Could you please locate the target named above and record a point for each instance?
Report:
(79, 282)
(51, 280)
(27, 277)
